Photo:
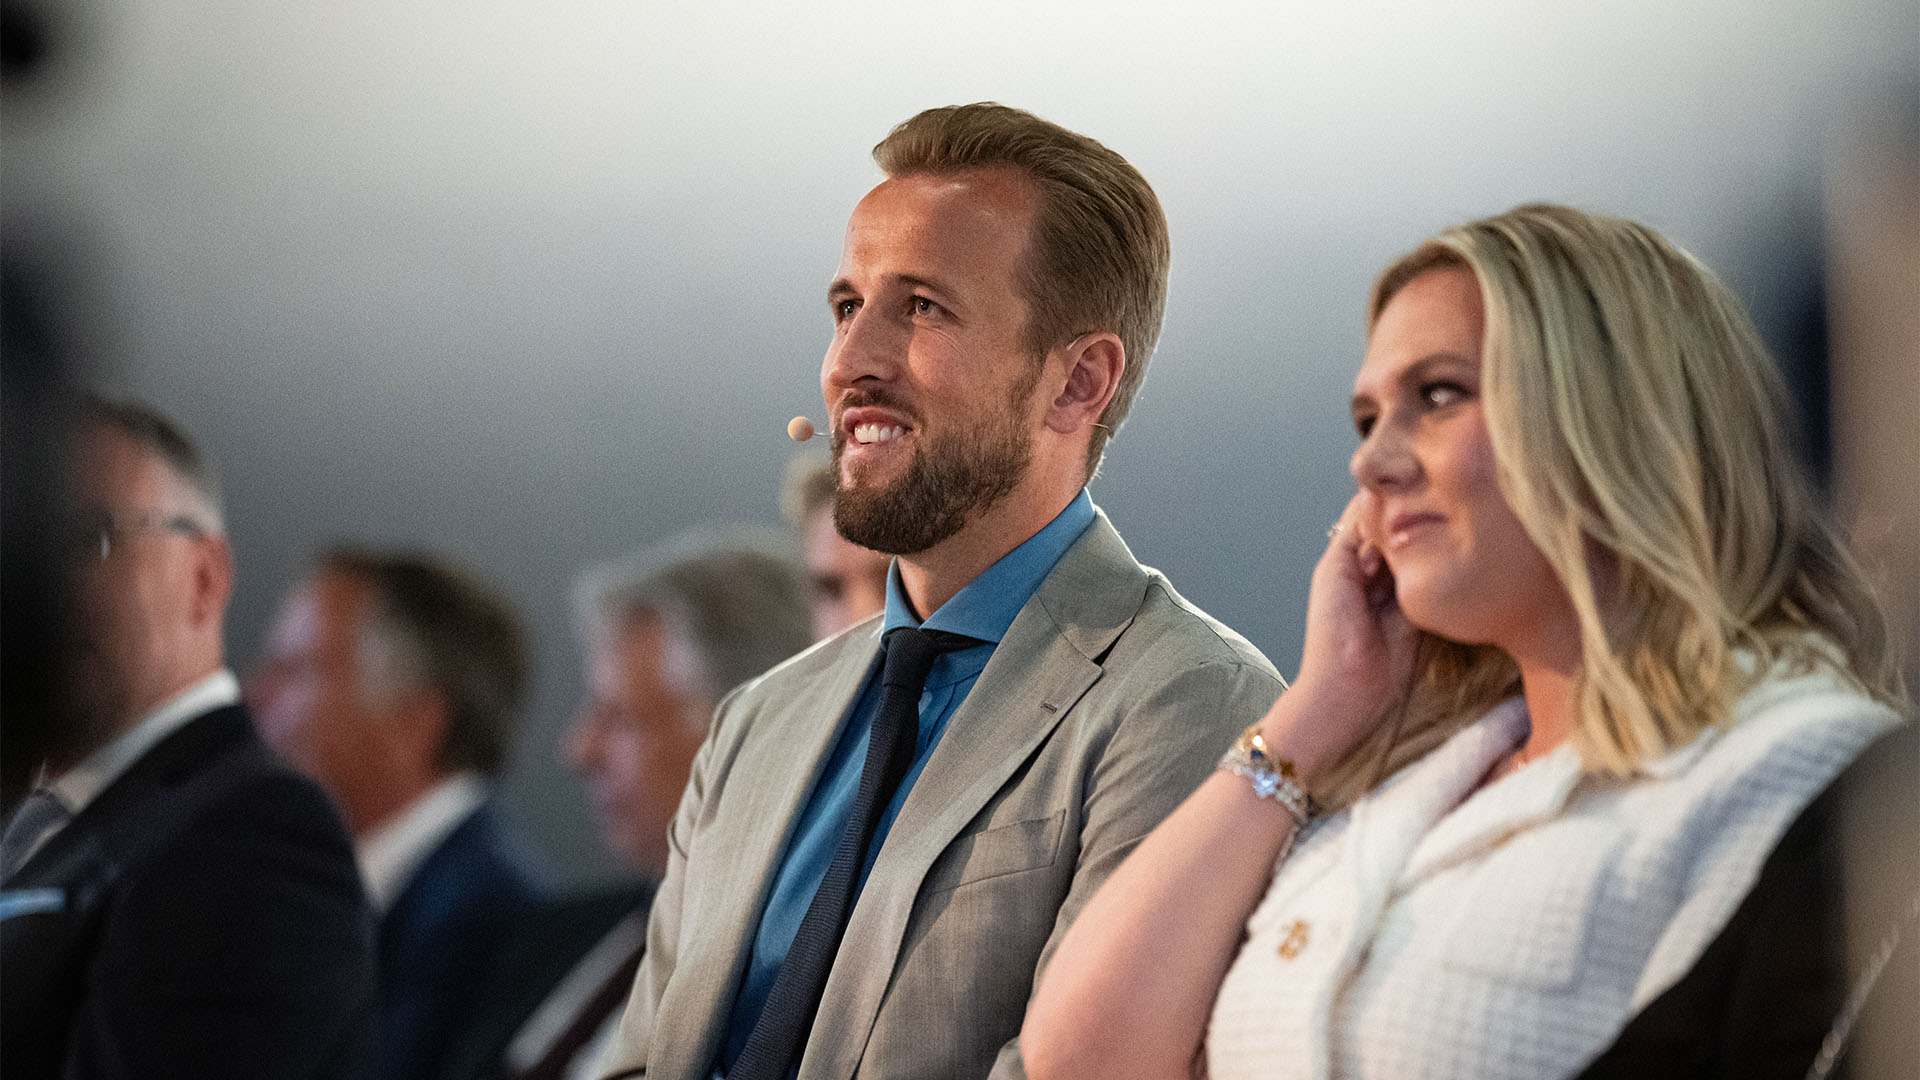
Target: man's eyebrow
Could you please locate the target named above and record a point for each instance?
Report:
(914, 281)
(844, 287)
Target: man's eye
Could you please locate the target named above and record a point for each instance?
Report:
(924, 306)
(844, 309)
(1363, 424)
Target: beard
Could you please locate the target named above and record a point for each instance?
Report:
(949, 482)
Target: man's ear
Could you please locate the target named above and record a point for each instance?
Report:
(1094, 364)
(212, 579)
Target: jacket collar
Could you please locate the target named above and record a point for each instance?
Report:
(119, 817)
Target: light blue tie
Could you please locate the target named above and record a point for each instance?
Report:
(39, 814)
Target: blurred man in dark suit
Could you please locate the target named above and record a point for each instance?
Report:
(667, 633)
(177, 901)
(396, 681)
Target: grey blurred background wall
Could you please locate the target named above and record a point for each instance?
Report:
(537, 284)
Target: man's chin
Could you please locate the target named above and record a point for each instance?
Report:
(867, 514)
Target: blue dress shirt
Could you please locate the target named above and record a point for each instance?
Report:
(983, 609)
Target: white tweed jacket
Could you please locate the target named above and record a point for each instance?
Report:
(1436, 930)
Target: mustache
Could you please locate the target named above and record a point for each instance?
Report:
(875, 397)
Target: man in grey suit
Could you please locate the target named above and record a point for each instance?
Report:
(873, 860)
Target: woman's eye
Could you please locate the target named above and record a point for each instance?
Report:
(1441, 394)
(1363, 425)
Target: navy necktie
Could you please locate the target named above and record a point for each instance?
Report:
(780, 1035)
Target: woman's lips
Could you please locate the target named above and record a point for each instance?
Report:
(1404, 528)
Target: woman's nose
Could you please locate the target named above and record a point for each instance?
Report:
(1384, 458)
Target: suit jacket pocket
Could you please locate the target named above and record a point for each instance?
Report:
(996, 852)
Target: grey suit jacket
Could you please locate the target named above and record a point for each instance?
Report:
(1107, 702)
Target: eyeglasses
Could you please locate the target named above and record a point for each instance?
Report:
(96, 534)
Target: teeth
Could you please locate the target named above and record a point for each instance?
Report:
(873, 433)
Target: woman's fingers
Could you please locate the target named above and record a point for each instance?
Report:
(1372, 565)
(1346, 528)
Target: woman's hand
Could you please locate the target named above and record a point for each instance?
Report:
(1358, 658)
(1129, 992)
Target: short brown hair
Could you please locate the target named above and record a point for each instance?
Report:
(1100, 250)
(455, 634)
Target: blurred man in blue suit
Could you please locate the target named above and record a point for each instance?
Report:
(396, 681)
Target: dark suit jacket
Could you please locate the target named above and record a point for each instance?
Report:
(1766, 991)
(556, 938)
(202, 918)
(440, 937)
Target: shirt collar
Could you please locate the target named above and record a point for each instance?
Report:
(84, 782)
(985, 607)
(394, 849)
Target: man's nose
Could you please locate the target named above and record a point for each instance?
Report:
(868, 345)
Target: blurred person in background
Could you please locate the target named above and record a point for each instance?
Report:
(667, 633)
(38, 402)
(177, 900)
(396, 680)
(1577, 654)
(44, 359)
(849, 582)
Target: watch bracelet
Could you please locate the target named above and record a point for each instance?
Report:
(1271, 776)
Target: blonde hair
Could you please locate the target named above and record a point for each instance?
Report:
(1643, 438)
(1099, 253)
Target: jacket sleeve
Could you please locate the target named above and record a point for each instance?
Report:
(1167, 742)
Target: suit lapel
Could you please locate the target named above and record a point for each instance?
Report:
(169, 763)
(742, 854)
(1047, 661)
(49, 909)
(1049, 658)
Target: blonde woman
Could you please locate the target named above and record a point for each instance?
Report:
(1576, 654)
